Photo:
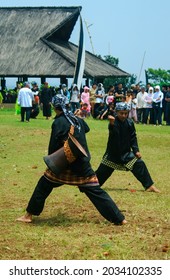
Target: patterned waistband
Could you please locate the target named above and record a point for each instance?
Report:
(67, 177)
(118, 166)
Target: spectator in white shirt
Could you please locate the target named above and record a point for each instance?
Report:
(99, 95)
(75, 98)
(25, 99)
(157, 106)
(141, 104)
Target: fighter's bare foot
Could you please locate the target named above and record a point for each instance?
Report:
(27, 218)
(124, 222)
(153, 189)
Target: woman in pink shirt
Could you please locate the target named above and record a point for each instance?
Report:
(85, 98)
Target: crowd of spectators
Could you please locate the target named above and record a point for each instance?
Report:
(149, 104)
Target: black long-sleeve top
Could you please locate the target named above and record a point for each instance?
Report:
(46, 95)
(122, 139)
(60, 129)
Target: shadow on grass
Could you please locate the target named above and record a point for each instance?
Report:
(123, 190)
(60, 219)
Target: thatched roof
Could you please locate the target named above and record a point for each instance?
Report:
(35, 43)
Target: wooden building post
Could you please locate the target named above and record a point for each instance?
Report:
(64, 80)
(22, 79)
(87, 82)
(43, 79)
(3, 83)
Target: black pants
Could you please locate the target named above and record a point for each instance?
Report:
(26, 110)
(140, 171)
(167, 114)
(46, 110)
(157, 115)
(140, 115)
(101, 200)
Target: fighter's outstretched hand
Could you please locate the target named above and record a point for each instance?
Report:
(138, 155)
(111, 119)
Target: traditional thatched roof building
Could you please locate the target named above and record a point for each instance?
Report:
(35, 43)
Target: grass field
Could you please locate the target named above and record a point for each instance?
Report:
(70, 227)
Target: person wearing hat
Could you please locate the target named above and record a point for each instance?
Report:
(78, 172)
(25, 100)
(122, 152)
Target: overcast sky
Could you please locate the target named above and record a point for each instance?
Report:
(135, 31)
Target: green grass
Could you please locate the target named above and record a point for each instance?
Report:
(70, 227)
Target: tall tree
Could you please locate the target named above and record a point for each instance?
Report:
(126, 81)
(158, 76)
(112, 60)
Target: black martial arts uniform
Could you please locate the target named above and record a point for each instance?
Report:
(120, 154)
(79, 173)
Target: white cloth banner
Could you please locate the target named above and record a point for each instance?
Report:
(80, 63)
